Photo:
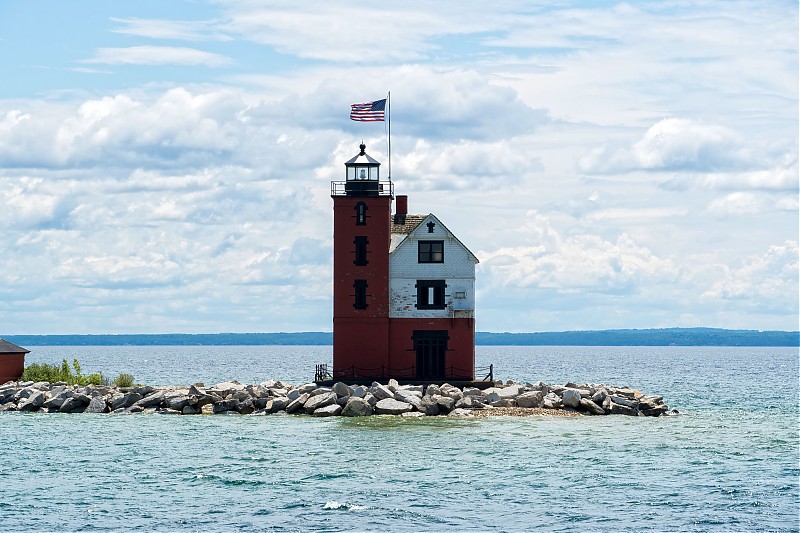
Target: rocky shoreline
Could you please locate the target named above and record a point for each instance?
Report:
(270, 397)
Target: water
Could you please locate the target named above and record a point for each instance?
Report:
(729, 462)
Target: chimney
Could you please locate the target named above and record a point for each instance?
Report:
(402, 204)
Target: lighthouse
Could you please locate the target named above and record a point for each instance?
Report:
(403, 286)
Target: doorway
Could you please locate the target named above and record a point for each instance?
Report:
(430, 346)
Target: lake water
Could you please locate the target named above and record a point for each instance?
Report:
(729, 462)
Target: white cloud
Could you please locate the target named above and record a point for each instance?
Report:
(768, 281)
(184, 30)
(157, 55)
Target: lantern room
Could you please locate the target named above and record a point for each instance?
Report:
(362, 175)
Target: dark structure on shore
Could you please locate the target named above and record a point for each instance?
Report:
(12, 361)
(403, 287)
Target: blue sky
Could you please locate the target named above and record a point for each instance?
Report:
(165, 166)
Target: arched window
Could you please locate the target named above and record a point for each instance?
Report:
(361, 214)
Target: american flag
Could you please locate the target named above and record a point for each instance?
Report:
(369, 112)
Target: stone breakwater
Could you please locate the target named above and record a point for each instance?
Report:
(233, 398)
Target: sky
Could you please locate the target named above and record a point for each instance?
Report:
(166, 166)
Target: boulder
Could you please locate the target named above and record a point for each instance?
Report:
(151, 400)
(372, 400)
(551, 401)
(57, 401)
(465, 403)
(307, 387)
(591, 407)
(633, 404)
(393, 385)
(506, 393)
(505, 402)
(381, 392)
(445, 403)
(204, 399)
(619, 409)
(318, 401)
(333, 409)
(571, 398)
(432, 390)
(246, 406)
(276, 404)
(411, 397)
(530, 399)
(599, 395)
(411, 388)
(390, 406)
(293, 394)
(360, 391)
(178, 402)
(492, 397)
(191, 410)
(126, 400)
(228, 386)
(223, 406)
(297, 404)
(357, 407)
(75, 402)
(460, 413)
(97, 405)
(428, 406)
(320, 390)
(341, 389)
(32, 402)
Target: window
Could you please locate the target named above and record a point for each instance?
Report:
(361, 251)
(431, 251)
(360, 286)
(460, 295)
(361, 214)
(430, 294)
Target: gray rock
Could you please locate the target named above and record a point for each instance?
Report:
(599, 396)
(411, 397)
(633, 404)
(151, 399)
(390, 406)
(411, 388)
(412, 414)
(293, 394)
(360, 391)
(297, 404)
(357, 407)
(433, 390)
(492, 397)
(341, 389)
(276, 404)
(320, 390)
(125, 400)
(571, 398)
(229, 386)
(506, 393)
(591, 407)
(74, 402)
(619, 409)
(428, 406)
(505, 402)
(381, 392)
(342, 400)
(393, 385)
(552, 401)
(307, 387)
(57, 401)
(445, 403)
(465, 403)
(530, 399)
(178, 403)
(191, 410)
(97, 405)
(318, 401)
(333, 409)
(223, 405)
(460, 413)
(371, 400)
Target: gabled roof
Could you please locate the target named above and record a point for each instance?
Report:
(405, 224)
(7, 347)
(401, 231)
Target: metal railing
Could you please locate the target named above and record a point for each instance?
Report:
(353, 372)
(362, 188)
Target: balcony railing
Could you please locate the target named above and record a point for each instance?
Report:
(362, 188)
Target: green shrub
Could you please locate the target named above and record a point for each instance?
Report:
(63, 372)
(124, 380)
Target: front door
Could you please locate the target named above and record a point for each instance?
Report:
(430, 346)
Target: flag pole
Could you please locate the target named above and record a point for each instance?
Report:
(389, 113)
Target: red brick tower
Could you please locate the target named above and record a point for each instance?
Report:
(362, 207)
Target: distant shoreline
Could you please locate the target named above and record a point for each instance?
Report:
(617, 337)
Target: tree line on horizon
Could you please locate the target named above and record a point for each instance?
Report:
(619, 337)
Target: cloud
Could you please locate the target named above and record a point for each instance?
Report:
(675, 144)
(157, 55)
(184, 30)
(768, 282)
